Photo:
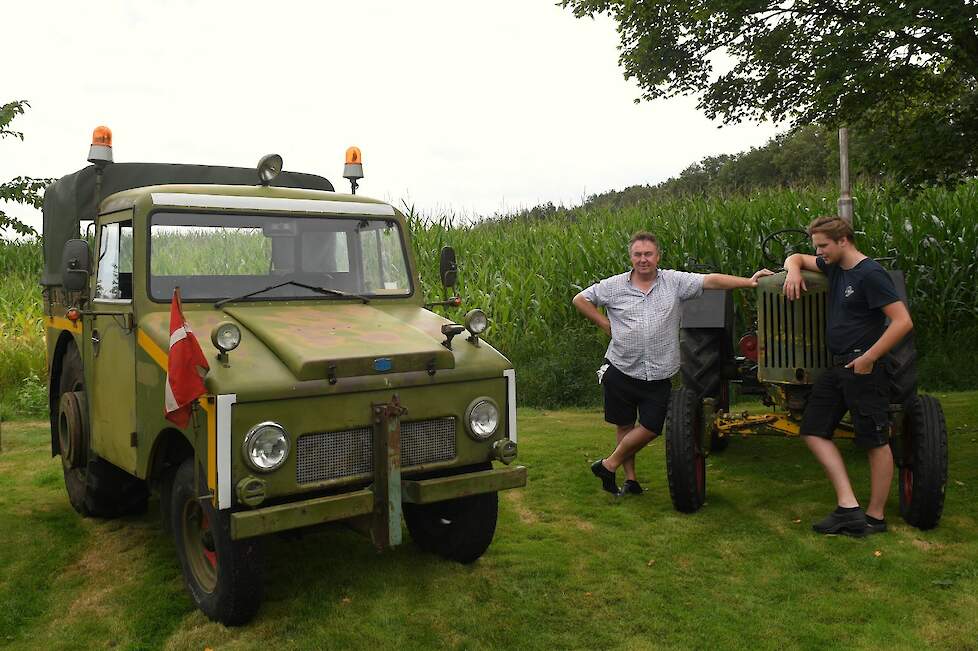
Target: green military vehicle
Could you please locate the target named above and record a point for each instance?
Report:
(333, 393)
(780, 360)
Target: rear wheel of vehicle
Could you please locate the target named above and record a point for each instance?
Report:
(95, 487)
(685, 456)
(222, 575)
(702, 354)
(923, 466)
(460, 529)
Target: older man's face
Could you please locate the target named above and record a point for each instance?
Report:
(645, 256)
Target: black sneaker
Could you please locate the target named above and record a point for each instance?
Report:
(631, 487)
(606, 476)
(849, 523)
(875, 526)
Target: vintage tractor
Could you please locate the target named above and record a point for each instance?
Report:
(781, 360)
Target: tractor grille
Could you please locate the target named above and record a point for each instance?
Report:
(331, 455)
(792, 333)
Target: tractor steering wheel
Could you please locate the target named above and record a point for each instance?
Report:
(785, 242)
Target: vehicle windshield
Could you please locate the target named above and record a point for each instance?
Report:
(220, 256)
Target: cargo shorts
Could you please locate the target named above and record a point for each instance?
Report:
(865, 397)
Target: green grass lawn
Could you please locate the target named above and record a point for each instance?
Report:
(571, 567)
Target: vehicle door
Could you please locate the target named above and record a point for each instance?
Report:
(111, 343)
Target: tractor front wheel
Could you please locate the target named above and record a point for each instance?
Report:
(685, 453)
(923, 466)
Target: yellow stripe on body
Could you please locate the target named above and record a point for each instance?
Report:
(61, 323)
(154, 351)
(206, 402)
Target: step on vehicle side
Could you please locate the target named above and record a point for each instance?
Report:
(334, 393)
(780, 360)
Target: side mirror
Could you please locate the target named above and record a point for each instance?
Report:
(448, 268)
(75, 265)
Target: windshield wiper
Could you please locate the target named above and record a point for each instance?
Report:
(321, 290)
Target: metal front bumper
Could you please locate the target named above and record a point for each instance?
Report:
(256, 522)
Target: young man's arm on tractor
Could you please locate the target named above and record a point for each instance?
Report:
(794, 284)
(900, 325)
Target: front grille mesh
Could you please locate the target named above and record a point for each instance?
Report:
(793, 332)
(333, 455)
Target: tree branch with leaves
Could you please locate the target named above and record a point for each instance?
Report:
(22, 189)
(829, 62)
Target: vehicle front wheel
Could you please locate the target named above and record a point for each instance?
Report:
(460, 529)
(222, 575)
(923, 466)
(685, 453)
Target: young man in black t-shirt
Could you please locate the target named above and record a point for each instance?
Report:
(861, 297)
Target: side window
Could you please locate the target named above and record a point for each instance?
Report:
(114, 274)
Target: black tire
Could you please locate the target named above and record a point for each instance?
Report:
(95, 487)
(923, 466)
(902, 366)
(685, 457)
(703, 352)
(902, 359)
(460, 529)
(222, 575)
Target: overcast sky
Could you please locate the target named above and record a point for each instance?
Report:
(458, 106)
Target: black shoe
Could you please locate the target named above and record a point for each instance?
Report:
(849, 523)
(631, 487)
(875, 526)
(606, 476)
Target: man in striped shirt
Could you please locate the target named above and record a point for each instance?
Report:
(642, 320)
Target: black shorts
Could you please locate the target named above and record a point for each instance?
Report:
(865, 397)
(624, 395)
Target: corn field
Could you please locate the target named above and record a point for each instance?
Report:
(22, 365)
(525, 272)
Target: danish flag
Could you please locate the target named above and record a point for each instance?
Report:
(185, 367)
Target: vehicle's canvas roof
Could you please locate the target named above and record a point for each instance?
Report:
(71, 199)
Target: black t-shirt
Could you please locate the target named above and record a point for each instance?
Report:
(856, 298)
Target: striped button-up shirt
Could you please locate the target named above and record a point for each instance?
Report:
(645, 326)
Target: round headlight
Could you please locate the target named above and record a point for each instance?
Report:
(482, 418)
(266, 446)
(476, 321)
(226, 336)
(269, 167)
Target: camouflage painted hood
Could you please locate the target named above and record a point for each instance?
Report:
(335, 341)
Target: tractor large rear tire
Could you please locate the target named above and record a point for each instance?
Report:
(923, 466)
(902, 361)
(702, 354)
(685, 457)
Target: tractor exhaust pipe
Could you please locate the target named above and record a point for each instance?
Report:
(845, 199)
